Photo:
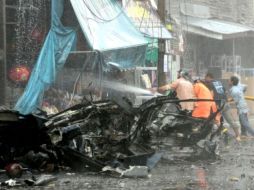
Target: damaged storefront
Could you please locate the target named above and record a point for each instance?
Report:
(123, 46)
(144, 15)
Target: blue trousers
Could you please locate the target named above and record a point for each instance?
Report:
(245, 124)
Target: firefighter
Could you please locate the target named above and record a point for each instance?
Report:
(203, 109)
(183, 88)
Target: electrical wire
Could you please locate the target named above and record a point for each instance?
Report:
(143, 16)
(78, 78)
(186, 23)
(98, 58)
(99, 19)
(150, 13)
(182, 16)
(103, 19)
(187, 51)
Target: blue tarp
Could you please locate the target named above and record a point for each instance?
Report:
(59, 42)
(106, 26)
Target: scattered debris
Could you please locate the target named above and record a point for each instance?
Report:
(44, 179)
(11, 183)
(70, 174)
(133, 171)
(136, 171)
(41, 180)
(14, 170)
(233, 178)
(97, 136)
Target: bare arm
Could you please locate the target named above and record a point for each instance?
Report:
(164, 88)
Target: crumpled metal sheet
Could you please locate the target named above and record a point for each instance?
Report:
(90, 136)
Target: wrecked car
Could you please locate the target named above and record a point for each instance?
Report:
(93, 135)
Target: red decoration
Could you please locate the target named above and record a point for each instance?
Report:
(14, 170)
(19, 74)
(37, 35)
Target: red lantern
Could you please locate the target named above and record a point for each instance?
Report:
(19, 74)
(37, 35)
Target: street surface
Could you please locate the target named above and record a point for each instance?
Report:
(233, 171)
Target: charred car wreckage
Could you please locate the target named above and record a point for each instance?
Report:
(100, 137)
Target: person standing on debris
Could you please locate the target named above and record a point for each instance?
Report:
(203, 109)
(183, 88)
(219, 94)
(237, 93)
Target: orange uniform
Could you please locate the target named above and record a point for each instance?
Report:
(203, 109)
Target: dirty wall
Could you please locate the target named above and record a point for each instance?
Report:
(241, 11)
(201, 49)
(2, 74)
(206, 47)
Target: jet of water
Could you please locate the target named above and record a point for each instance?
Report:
(117, 86)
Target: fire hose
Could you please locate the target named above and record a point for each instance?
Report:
(246, 98)
(249, 98)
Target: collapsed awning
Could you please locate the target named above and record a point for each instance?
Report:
(217, 29)
(106, 25)
(146, 19)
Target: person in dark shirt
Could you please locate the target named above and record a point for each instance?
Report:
(220, 97)
(217, 89)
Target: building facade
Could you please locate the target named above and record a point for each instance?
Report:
(202, 48)
(218, 37)
(23, 27)
(240, 11)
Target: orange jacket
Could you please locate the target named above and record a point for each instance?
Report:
(203, 109)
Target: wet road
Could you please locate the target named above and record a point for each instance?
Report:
(233, 171)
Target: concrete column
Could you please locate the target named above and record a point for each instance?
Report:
(161, 75)
(2, 53)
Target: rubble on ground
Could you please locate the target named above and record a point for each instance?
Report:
(96, 136)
